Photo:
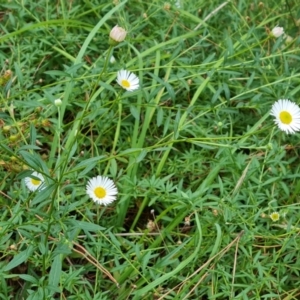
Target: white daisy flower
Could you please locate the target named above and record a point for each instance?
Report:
(35, 182)
(127, 80)
(287, 115)
(102, 190)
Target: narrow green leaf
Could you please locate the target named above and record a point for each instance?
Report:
(28, 278)
(32, 134)
(218, 241)
(44, 194)
(113, 167)
(57, 73)
(135, 112)
(19, 258)
(169, 275)
(88, 162)
(141, 156)
(7, 150)
(55, 272)
(88, 226)
(32, 160)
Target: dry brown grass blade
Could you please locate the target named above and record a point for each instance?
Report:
(93, 261)
(211, 14)
(241, 179)
(234, 265)
(219, 255)
(83, 252)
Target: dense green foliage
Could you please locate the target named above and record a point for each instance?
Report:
(195, 155)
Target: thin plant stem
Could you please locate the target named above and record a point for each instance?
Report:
(266, 154)
(59, 174)
(117, 133)
(106, 61)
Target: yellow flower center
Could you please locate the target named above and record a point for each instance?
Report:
(35, 181)
(100, 192)
(285, 117)
(125, 83)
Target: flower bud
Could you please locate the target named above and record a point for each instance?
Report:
(167, 6)
(13, 247)
(112, 59)
(288, 39)
(277, 31)
(57, 102)
(6, 128)
(13, 138)
(45, 123)
(5, 78)
(117, 35)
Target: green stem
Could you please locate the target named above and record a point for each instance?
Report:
(70, 142)
(109, 51)
(183, 118)
(59, 174)
(266, 154)
(132, 166)
(117, 134)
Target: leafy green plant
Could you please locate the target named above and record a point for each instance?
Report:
(207, 204)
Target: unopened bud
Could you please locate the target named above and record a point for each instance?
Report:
(277, 31)
(6, 128)
(57, 102)
(117, 35)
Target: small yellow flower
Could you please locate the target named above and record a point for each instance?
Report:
(274, 216)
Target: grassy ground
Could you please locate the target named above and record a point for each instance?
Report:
(195, 155)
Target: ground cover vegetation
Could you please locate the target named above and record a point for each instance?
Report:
(149, 149)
